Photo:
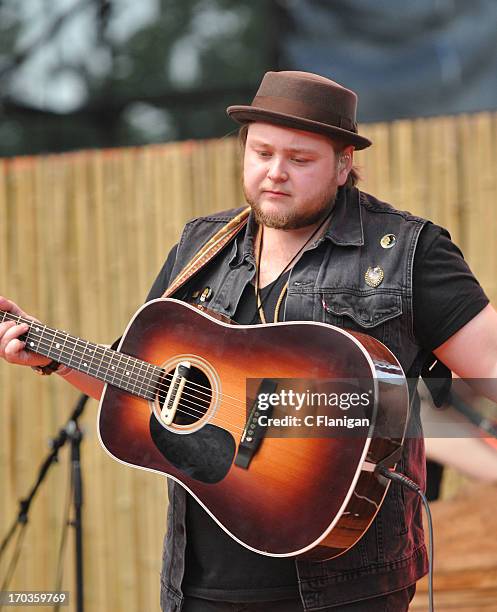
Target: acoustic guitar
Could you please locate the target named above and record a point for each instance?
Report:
(275, 429)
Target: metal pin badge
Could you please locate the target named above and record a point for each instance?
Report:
(388, 241)
(374, 276)
(206, 294)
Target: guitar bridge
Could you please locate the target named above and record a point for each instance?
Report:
(253, 432)
(173, 397)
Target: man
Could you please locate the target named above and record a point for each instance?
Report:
(315, 248)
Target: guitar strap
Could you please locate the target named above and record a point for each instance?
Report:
(210, 249)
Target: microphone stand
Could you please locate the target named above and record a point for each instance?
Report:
(76, 436)
(70, 432)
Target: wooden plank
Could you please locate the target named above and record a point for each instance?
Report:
(6, 380)
(458, 601)
(465, 556)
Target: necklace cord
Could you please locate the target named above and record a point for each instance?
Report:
(259, 311)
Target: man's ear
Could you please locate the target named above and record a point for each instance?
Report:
(344, 165)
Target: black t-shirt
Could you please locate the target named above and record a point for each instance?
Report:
(234, 573)
(446, 296)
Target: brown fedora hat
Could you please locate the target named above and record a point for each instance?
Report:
(304, 101)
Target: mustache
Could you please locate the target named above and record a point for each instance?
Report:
(273, 189)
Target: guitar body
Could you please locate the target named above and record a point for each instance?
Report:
(300, 495)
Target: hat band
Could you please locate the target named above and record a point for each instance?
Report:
(301, 110)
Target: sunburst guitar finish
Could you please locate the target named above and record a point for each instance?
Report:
(180, 400)
(301, 494)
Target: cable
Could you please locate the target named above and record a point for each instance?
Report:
(408, 483)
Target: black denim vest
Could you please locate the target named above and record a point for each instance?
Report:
(328, 284)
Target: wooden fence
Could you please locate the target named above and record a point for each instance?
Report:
(81, 238)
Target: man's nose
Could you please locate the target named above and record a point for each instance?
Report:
(277, 171)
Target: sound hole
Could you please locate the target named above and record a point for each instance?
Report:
(195, 397)
(203, 452)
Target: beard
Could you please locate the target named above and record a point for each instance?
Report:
(312, 211)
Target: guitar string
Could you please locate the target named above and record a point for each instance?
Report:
(187, 409)
(149, 388)
(140, 382)
(217, 420)
(152, 388)
(101, 351)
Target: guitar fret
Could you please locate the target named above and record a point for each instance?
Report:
(75, 344)
(118, 365)
(63, 347)
(127, 381)
(51, 343)
(108, 367)
(30, 338)
(143, 377)
(146, 384)
(123, 371)
(138, 378)
(100, 362)
(120, 371)
(33, 339)
(59, 346)
(39, 338)
(92, 351)
(154, 378)
(83, 357)
(80, 354)
(131, 370)
(119, 368)
(135, 371)
(112, 367)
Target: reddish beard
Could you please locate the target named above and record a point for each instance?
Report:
(294, 219)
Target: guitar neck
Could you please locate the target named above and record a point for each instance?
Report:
(128, 373)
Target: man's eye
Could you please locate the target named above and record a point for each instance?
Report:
(264, 153)
(299, 160)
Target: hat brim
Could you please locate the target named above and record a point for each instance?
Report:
(249, 114)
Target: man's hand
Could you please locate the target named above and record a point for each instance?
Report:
(11, 348)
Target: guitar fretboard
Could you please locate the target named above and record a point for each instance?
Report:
(123, 371)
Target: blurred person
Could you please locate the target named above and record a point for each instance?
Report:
(457, 435)
(314, 248)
